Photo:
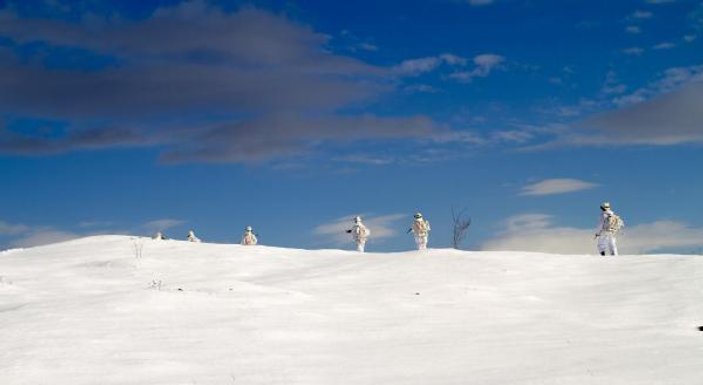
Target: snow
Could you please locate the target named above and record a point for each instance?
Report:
(126, 310)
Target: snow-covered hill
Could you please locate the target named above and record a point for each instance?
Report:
(124, 310)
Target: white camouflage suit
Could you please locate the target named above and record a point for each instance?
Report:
(607, 244)
(360, 234)
(421, 231)
(192, 237)
(249, 238)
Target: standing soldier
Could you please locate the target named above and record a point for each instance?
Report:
(360, 234)
(421, 230)
(608, 226)
(249, 238)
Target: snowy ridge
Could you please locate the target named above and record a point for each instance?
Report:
(126, 310)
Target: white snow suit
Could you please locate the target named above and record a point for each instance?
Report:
(159, 236)
(360, 234)
(421, 231)
(249, 238)
(606, 237)
(192, 237)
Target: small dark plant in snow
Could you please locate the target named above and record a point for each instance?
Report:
(461, 223)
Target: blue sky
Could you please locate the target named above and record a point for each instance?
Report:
(292, 117)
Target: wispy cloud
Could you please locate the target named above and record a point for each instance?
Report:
(484, 64)
(161, 224)
(556, 186)
(40, 237)
(641, 15)
(12, 229)
(367, 159)
(480, 2)
(380, 227)
(21, 235)
(664, 45)
(612, 84)
(368, 47)
(421, 88)
(635, 51)
(660, 1)
(538, 232)
(416, 67)
(633, 29)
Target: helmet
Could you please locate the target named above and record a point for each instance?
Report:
(417, 215)
(248, 228)
(357, 219)
(605, 205)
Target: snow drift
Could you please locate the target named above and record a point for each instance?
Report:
(125, 310)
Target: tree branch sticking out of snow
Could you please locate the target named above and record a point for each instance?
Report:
(460, 226)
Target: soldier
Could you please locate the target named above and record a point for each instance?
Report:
(249, 238)
(608, 226)
(360, 234)
(421, 230)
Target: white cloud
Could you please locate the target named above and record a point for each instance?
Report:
(366, 159)
(556, 80)
(488, 60)
(612, 84)
(570, 111)
(556, 186)
(480, 2)
(421, 88)
(635, 51)
(664, 45)
(94, 224)
(12, 229)
(639, 14)
(29, 236)
(513, 136)
(452, 59)
(537, 232)
(416, 67)
(419, 66)
(368, 47)
(44, 236)
(484, 64)
(161, 224)
(465, 137)
(633, 29)
(381, 227)
(689, 38)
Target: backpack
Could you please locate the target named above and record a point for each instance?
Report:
(613, 223)
(249, 238)
(420, 227)
(360, 231)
